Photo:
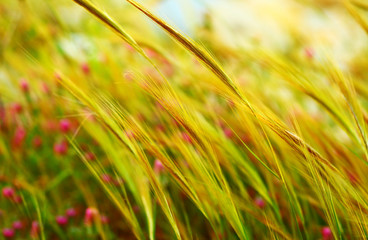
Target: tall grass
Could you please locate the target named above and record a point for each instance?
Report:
(157, 134)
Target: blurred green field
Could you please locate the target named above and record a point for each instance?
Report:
(250, 122)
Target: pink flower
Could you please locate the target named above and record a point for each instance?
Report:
(17, 199)
(24, 85)
(158, 166)
(35, 229)
(260, 202)
(90, 214)
(62, 220)
(8, 192)
(17, 108)
(65, 125)
(37, 142)
(309, 52)
(106, 178)
(19, 136)
(89, 156)
(228, 132)
(85, 68)
(45, 88)
(326, 233)
(104, 219)
(61, 148)
(71, 212)
(8, 233)
(18, 225)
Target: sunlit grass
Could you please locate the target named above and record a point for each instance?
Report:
(115, 129)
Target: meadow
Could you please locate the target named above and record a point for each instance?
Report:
(114, 124)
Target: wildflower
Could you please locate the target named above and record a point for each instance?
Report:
(35, 228)
(19, 136)
(158, 166)
(17, 225)
(37, 141)
(85, 68)
(45, 88)
(326, 233)
(8, 192)
(106, 178)
(24, 85)
(104, 219)
(260, 202)
(17, 108)
(61, 148)
(8, 233)
(90, 214)
(17, 199)
(89, 156)
(309, 53)
(62, 220)
(65, 125)
(71, 212)
(228, 132)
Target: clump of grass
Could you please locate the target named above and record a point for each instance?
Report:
(129, 135)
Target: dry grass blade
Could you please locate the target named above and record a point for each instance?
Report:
(209, 62)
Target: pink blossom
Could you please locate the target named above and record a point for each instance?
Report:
(18, 225)
(24, 85)
(228, 132)
(35, 229)
(62, 220)
(89, 215)
(65, 125)
(158, 166)
(85, 68)
(71, 212)
(37, 141)
(61, 148)
(260, 202)
(104, 219)
(8, 233)
(19, 136)
(8, 192)
(326, 233)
